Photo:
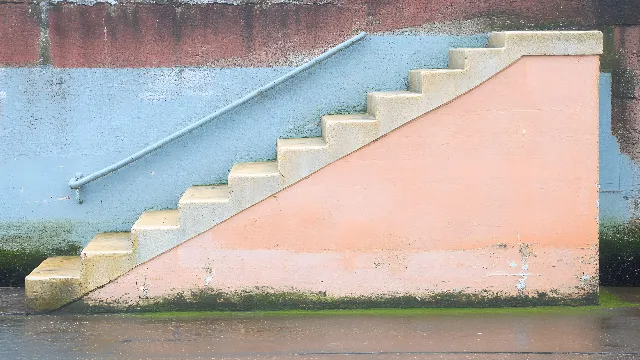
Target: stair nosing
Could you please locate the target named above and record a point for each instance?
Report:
(175, 218)
(185, 199)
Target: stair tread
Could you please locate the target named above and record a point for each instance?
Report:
(109, 243)
(315, 142)
(255, 168)
(205, 194)
(58, 267)
(158, 219)
(349, 117)
(438, 70)
(402, 93)
(482, 49)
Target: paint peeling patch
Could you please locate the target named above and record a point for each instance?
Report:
(144, 290)
(525, 251)
(210, 272)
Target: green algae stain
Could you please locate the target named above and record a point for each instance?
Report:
(16, 264)
(261, 299)
(620, 254)
(607, 301)
(24, 245)
(35, 235)
(610, 300)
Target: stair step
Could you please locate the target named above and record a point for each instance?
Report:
(301, 143)
(467, 58)
(109, 244)
(394, 108)
(341, 128)
(106, 257)
(158, 219)
(255, 169)
(250, 183)
(205, 194)
(395, 95)
(347, 133)
(298, 158)
(348, 117)
(548, 42)
(58, 267)
(422, 80)
(54, 283)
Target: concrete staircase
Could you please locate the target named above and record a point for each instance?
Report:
(60, 280)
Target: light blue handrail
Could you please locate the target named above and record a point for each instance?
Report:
(79, 180)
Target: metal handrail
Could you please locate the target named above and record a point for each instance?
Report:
(79, 180)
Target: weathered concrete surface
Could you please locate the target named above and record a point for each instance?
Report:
(131, 34)
(147, 33)
(626, 89)
(12, 301)
(390, 219)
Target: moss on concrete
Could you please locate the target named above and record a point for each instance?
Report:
(268, 300)
(607, 301)
(16, 264)
(610, 300)
(24, 245)
(620, 254)
(35, 235)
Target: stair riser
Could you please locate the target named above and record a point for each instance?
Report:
(244, 191)
(198, 217)
(295, 164)
(345, 137)
(101, 269)
(150, 243)
(51, 294)
(342, 138)
(446, 81)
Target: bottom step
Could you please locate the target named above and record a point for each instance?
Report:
(54, 283)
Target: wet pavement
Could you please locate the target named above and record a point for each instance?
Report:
(571, 333)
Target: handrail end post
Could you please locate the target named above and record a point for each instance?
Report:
(73, 184)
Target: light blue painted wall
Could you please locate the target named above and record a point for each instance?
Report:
(619, 175)
(56, 122)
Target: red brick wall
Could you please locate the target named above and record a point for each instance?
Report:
(19, 34)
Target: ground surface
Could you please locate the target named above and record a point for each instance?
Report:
(548, 333)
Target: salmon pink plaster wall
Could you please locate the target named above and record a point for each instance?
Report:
(495, 191)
